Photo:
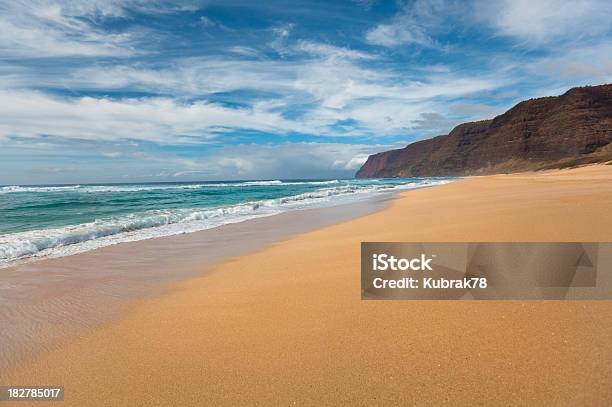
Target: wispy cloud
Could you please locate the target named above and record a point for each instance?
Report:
(331, 51)
(64, 28)
(332, 90)
(249, 86)
(533, 23)
(415, 24)
(160, 120)
(545, 21)
(44, 29)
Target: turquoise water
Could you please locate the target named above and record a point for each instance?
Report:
(56, 220)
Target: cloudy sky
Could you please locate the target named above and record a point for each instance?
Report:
(161, 90)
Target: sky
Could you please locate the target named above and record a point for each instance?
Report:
(159, 90)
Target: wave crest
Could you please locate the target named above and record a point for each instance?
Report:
(72, 239)
(10, 189)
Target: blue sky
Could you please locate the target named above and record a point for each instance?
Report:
(135, 90)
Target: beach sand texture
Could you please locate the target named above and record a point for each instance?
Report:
(286, 326)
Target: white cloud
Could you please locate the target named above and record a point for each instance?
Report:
(545, 21)
(236, 166)
(397, 33)
(331, 51)
(46, 28)
(353, 164)
(331, 84)
(534, 23)
(210, 23)
(414, 24)
(245, 161)
(281, 34)
(70, 39)
(191, 76)
(245, 51)
(292, 160)
(283, 30)
(340, 91)
(169, 121)
(587, 65)
(160, 120)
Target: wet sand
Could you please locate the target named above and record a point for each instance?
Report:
(45, 301)
(285, 325)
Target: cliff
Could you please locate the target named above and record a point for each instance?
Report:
(551, 132)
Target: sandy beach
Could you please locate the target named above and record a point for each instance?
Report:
(286, 325)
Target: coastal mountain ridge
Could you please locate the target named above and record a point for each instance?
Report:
(549, 132)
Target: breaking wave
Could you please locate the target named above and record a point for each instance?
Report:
(151, 187)
(62, 241)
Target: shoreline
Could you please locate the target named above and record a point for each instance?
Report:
(47, 301)
(148, 211)
(285, 323)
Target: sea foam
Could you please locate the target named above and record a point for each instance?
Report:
(67, 240)
(151, 187)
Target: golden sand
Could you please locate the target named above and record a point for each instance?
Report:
(286, 325)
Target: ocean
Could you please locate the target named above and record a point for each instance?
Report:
(60, 220)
